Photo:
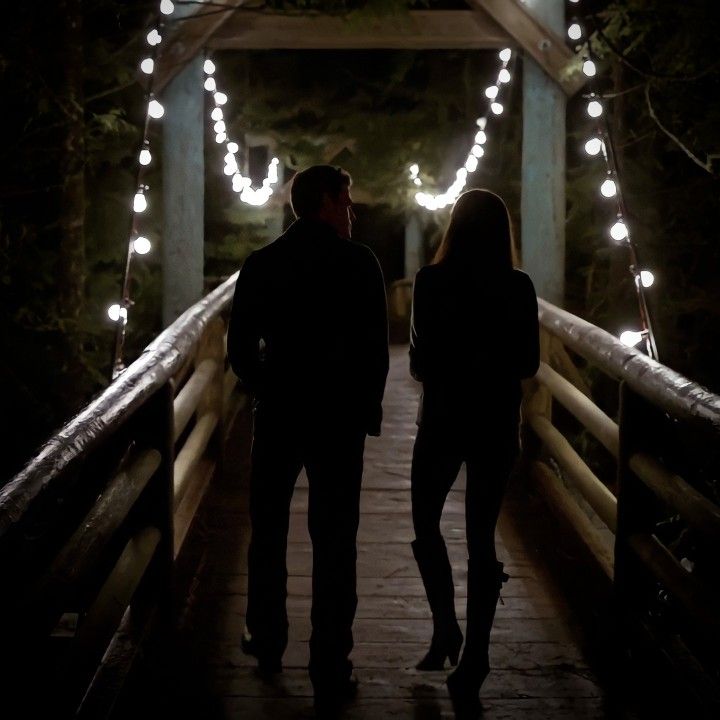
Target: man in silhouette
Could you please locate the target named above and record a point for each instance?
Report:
(308, 338)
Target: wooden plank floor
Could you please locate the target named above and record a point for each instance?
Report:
(539, 668)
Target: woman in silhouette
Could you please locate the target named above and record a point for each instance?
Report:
(474, 336)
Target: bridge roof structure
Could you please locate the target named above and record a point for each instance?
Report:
(485, 24)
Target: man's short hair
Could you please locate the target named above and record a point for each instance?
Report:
(310, 185)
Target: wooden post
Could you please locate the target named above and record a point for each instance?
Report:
(636, 503)
(212, 346)
(543, 168)
(414, 257)
(183, 191)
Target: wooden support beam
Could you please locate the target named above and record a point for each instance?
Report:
(584, 409)
(416, 30)
(189, 38)
(542, 202)
(563, 503)
(544, 45)
(183, 164)
(600, 499)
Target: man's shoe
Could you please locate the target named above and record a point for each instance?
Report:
(349, 687)
(267, 664)
(330, 697)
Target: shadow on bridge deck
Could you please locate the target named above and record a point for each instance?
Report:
(549, 661)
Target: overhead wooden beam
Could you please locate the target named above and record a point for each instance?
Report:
(415, 30)
(546, 47)
(189, 36)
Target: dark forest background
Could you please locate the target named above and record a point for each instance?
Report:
(72, 121)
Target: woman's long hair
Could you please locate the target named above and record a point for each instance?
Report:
(479, 236)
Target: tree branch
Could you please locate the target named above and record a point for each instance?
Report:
(707, 166)
(110, 91)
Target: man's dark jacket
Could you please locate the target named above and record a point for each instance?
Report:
(308, 332)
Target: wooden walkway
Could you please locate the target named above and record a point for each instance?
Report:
(539, 668)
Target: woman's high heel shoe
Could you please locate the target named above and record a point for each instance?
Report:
(464, 688)
(443, 645)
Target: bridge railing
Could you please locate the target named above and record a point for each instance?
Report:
(91, 527)
(654, 524)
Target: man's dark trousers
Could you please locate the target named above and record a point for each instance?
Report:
(331, 451)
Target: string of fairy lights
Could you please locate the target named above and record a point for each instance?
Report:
(240, 184)
(493, 92)
(600, 144)
(138, 243)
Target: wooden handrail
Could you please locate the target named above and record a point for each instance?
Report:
(188, 398)
(601, 500)
(68, 557)
(657, 383)
(656, 403)
(160, 360)
(695, 508)
(604, 428)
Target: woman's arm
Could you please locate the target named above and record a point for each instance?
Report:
(528, 331)
(417, 334)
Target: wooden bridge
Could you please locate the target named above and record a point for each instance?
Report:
(123, 548)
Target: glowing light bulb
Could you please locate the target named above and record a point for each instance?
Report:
(594, 109)
(421, 199)
(575, 31)
(216, 114)
(593, 146)
(230, 169)
(618, 231)
(477, 151)
(481, 137)
(209, 67)
(497, 108)
(115, 312)
(233, 147)
(155, 109)
(145, 158)
(630, 337)
(166, 7)
(471, 163)
(414, 169)
(609, 188)
(417, 181)
(210, 84)
(154, 38)
(504, 76)
(220, 98)
(140, 202)
(141, 245)
(219, 127)
(491, 92)
(481, 122)
(147, 66)
(589, 68)
(505, 55)
(220, 138)
(646, 278)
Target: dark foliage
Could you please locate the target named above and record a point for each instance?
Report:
(62, 246)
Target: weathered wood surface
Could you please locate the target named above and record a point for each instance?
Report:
(417, 30)
(539, 667)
